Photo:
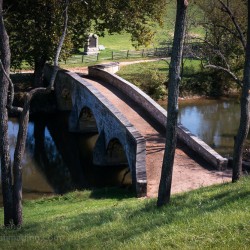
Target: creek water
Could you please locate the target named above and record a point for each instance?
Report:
(214, 121)
(57, 161)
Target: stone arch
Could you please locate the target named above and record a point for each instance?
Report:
(86, 121)
(115, 153)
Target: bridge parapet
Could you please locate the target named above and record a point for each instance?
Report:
(159, 114)
(75, 94)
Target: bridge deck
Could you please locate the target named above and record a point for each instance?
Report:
(188, 173)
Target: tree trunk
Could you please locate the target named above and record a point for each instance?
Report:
(13, 198)
(173, 93)
(4, 145)
(17, 165)
(38, 72)
(244, 105)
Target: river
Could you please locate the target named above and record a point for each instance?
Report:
(214, 121)
(57, 161)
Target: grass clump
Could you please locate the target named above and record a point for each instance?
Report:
(210, 218)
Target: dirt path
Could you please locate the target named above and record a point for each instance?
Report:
(188, 174)
(84, 70)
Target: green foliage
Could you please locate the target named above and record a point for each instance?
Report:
(146, 76)
(199, 81)
(224, 42)
(151, 77)
(210, 218)
(34, 29)
(35, 26)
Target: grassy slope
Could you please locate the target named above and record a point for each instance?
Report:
(210, 218)
(162, 34)
(135, 72)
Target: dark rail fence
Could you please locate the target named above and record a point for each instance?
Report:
(191, 50)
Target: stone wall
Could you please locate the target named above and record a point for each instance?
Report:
(159, 114)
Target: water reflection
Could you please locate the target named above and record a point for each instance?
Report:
(34, 183)
(57, 161)
(214, 121)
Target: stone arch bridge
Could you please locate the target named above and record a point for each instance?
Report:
(130, 126)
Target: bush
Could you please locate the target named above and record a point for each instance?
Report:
(205, 82)
(153, 83)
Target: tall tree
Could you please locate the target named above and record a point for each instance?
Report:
(4, 144)
(245, 109)
(173, 94)
(12, 196)
(227, 27)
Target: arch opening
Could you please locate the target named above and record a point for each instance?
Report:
(115, 153)
(87, 122)
(117, 160)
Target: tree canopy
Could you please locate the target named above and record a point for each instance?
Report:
(225, 23)
(34, 26)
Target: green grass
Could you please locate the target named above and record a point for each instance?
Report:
(116, 41)
(163, 33)
(133, 72)
(152, 77)
(217, 217)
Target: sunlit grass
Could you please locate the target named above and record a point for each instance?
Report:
(210, 218)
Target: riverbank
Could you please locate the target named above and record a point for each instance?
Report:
(208, 218)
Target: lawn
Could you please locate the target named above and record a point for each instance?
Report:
(215, 217)
(163, 35)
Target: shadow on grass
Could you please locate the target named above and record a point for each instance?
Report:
(113, 222)
(145, 216)
(113, 193)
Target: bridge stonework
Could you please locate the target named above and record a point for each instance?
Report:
(92, 112)
(75, 94)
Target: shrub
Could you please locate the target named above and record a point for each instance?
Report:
(153, 83)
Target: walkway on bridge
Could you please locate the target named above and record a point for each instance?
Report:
(188, 173)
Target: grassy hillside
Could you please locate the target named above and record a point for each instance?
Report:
(162, 34)
(210, 218)
(122, 42)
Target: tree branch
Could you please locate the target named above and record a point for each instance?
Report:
(231, 15)
(11, 86)
(59, 48)
(226, 70)
(22, 132)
